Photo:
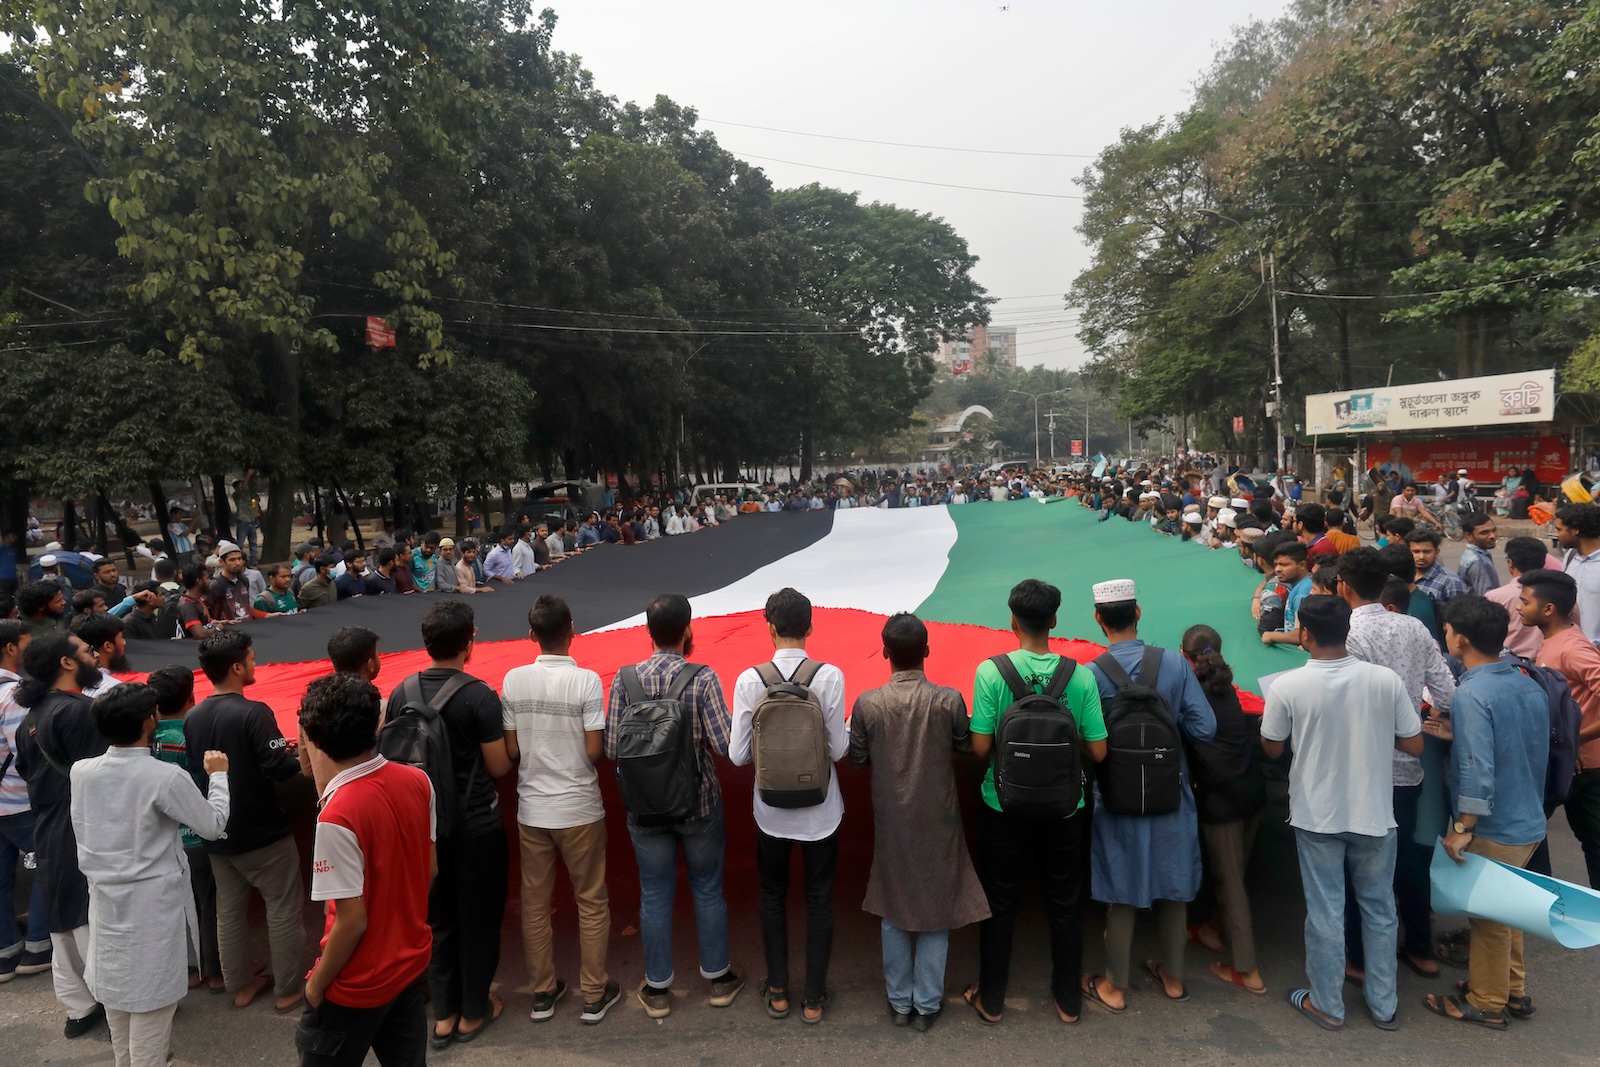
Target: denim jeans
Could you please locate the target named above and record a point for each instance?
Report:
(913, 968)
(247, 540)
(656, 849)
(16, 840)
(1324, 861)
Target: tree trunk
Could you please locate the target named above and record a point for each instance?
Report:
(14, 519)
(69, 525)
(355, 522)
(283, 383)
(461, 511)
(506, 516)
(316, 509)
(808, 452)
(102, 544)
(158, 498)
(219, 505)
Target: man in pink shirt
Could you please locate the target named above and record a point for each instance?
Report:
(1548, 599)
(1523, 554)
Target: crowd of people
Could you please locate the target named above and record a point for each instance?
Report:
(1428, 709)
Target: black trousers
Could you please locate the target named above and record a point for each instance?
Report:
(465, 909)
(1413, 888)
(1583, 815)
(1008, 848)
(335, 1036)
(772, 864)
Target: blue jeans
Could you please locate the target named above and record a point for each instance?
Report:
(656, 849)
(16, 838)
(247, 540)
(1324, 861)
(914, 983)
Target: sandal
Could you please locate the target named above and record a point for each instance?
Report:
(438, 1041)
(1516, 1007)
(1300, 1001)
(1153, 969)
(498, 1005)
(1456, 951)
(970, 995)
(820, 1006)
(1468, 1014)
(1196, 938)
(1091, 989)
(1417, 969)
(1227, 973)
(768, 995)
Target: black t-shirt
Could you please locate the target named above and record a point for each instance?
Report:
(474, 719)
(114, 594)
(137, 626)
(379, 585)
(229, 598)
(258, 756)
(59, 726)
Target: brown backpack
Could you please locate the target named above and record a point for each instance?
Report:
(789, 738)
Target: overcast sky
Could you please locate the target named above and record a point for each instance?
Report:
(1041, 76)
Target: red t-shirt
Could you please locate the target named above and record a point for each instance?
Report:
(374, 840)
(1321, 548)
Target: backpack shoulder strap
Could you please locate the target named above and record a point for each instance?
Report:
(632, 687)
(806, 673)
(1113, 670)
(1060, 677)
(1010, 675)
(769, 674)
(682, 680)
(452, 685)
(1150, 666)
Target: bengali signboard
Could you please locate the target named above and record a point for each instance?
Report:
(1499, 399)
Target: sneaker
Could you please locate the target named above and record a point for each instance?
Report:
(544, 1004)
(8, 968)
(34, 962)
(594, 1011)
(724, 989)
(657, 1002)
(79, 1027)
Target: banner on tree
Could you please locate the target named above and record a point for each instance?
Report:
(379, 333)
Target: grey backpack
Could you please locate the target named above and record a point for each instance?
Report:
(789, 738)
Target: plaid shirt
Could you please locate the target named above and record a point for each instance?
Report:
(709, 725)
(1440, 583)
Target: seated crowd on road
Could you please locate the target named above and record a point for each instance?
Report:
(153, 817)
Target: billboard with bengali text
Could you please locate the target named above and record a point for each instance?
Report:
(1485, 458)
(1496, 400)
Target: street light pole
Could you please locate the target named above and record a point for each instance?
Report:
(1268, 261)
(1036, 398)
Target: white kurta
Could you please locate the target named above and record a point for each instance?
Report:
(126, 809)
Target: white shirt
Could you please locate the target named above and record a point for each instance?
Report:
(523, 561)
(1342, 717)
(1585, 570)
(557, 547)
(674, 525)
(958, 498)
(845, 504)
(690, 523)
(794, 824)
(1404, 645)
(551, 704)
(107, 682)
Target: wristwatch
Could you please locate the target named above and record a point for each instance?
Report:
(1460, 827)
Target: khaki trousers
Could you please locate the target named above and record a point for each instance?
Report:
(583, 850)
(1495, 973)
(141, 1038)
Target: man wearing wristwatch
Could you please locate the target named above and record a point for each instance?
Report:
(1500, 728)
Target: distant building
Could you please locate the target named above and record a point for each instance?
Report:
(950, 430)
(967, 356)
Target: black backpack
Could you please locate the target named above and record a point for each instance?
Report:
(1566, 718)
(167, 623)
(418, 736)
(1038, 753)
(658, 769)
(1142, 773)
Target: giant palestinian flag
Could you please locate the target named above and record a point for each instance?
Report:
(953, 566)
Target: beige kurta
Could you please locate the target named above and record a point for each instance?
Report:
(126, 809)
(922, 877)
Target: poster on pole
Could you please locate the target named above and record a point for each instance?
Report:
(1495, 400)
(1077, 448)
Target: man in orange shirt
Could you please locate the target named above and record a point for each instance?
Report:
(1344, 542)
(1548, 600)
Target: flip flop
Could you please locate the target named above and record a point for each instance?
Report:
(438, 1041)
(1440, 1006)
(1300, 1001)
(294, 1005)
(970, 995)
(1091, 989)
(1194, 937)
(1418, 971)
(1153, 969)
(472, 1035)
(1225, 972)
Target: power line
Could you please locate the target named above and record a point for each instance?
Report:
(914, 181)
(1441, 292)
(898, 144)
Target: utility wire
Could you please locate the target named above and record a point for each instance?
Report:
(1441, 292)
(914, 181)
(898, 144)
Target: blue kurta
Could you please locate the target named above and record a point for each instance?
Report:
(1136, 859)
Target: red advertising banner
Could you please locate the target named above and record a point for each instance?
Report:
(379, 333)
(1077, 448)
(1485, 458)
(1238, 424)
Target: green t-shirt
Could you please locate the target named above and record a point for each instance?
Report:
(275, 603)
(991, 696)
(170, 747)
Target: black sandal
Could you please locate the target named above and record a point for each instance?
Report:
(1441, 1006)
(970, 995)
(768, 995)
(1516, 1007)
(820, 1006)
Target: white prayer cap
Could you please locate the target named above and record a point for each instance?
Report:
(1192, 516)
(47, 561)
(1240, 503)
(1227, 517)
(1147, 481)
(1116, 591)
(1217, 502)
(53, 546)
